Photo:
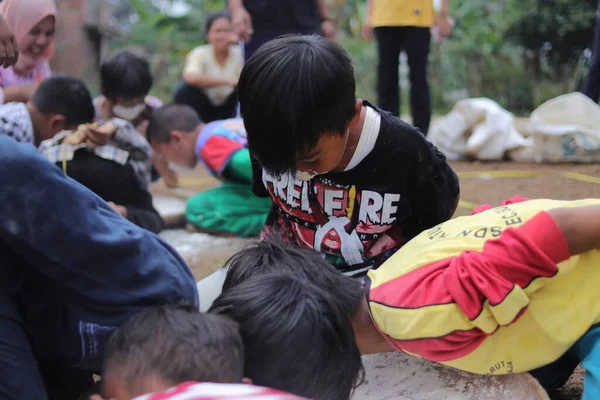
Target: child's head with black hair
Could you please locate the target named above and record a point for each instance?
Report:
(125, 81)
(160, 347)
(172, 132)
(272, 255)
(218, 29)
(60, 102)
(297, 98)
(296, 336)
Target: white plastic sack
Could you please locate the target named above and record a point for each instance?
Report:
(564, 129)
(476, 128)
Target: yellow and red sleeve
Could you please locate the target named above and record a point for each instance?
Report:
(444, 310)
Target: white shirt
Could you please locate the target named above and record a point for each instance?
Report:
(202, 61)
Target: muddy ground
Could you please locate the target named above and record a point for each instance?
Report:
(480, 183)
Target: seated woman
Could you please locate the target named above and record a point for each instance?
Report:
(33, 22)
(125, 81)
(211, 72)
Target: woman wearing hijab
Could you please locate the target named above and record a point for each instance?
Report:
(33, 22)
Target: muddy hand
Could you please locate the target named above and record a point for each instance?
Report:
(9, 49)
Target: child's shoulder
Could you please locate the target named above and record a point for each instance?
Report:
(396, 135)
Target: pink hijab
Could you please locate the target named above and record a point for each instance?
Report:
(22, 16)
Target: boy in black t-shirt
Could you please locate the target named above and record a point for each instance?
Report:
(347, 179)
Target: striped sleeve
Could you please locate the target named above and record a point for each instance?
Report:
(443, 311)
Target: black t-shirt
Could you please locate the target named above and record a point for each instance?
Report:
(359, 218)
(278, 17)
(116, 183)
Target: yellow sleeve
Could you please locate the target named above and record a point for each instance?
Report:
(194, 62)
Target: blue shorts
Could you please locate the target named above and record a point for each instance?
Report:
(585, 351)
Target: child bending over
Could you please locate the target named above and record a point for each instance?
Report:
(60, 102)
(177, 134)
(507, 290)
(164, 352)
(347, 179)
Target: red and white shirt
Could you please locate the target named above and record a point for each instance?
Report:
(219, 391)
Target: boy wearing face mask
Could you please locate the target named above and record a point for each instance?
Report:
(348, 179)
(125, 81)
(181, 139)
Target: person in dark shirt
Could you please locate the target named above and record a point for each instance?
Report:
(258, 21)
(347, 179)
(592, 83)
(71, 271)
(118, 170)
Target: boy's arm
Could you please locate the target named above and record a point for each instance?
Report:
(491, 287)
(580, 227)
(71, 236)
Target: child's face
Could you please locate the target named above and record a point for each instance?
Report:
(180, 150)
(325, 156)
(46, 126)
(220, 33)
(38, 38)
(129, 109)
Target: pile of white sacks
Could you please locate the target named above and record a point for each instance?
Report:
(564, 129)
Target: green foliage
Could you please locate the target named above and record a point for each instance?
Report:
(166, 39)
(560, 28)
(517, 52)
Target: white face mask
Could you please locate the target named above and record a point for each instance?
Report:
(179, 168)
(306, 176)
(128, 113)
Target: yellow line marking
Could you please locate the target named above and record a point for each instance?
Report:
(467, 205)
(581, 177)
(528, 174)
(196, 181)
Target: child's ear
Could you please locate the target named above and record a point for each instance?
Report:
(57, 124)
(357, 111)
(176, 136)
(247, 381)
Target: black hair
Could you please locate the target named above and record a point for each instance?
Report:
(292, 91)
(212, 17)
(64, 95)
(169, 118)
(272, 255)
(178, 344)
(295, 338)
(125, 75)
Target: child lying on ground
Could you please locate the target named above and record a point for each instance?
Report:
(60, 102)
(177, 134)
(163, 352)
(348, 180)
(507, 290)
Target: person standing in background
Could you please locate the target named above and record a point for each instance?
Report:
(34, 23)
(592, 83)
(258, 21)
(405, 25)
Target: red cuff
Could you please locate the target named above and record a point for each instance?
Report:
(544, 232)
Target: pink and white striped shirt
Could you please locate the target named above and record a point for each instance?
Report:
(219, 391)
